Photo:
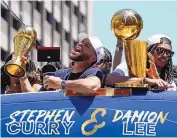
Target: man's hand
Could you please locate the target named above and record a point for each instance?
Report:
(23, 59)
(152, 71)
(52, 82)
(162, 85)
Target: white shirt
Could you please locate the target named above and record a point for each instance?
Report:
(122, 70)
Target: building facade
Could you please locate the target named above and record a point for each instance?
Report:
(57, 23)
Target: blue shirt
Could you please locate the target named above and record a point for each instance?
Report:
(64, 74)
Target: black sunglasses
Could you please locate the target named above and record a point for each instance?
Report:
(102, 61)
(162, 51)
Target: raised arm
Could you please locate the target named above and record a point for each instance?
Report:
(27, 87)
(118, 53)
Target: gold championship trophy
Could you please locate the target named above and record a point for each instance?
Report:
(126, 24)
(23, 43)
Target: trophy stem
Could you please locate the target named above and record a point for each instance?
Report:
(136, 57)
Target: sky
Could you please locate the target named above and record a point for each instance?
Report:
(158, 17)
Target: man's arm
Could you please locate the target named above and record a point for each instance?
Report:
(118, 53)
(26, 86)
(116, 78)
(86, 85)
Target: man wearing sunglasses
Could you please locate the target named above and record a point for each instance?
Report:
(105, 63)
(160, 47)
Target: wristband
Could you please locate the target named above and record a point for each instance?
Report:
(119, 48)
(143, 81)
(63, 84)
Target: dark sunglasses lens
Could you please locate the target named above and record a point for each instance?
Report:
(161, 51)
(169, 53)
(172, 53)
(101, 61)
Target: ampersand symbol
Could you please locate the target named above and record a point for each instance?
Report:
(92, 120)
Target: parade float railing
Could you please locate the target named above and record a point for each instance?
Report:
(53, 114)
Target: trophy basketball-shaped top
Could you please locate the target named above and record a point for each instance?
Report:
(127, 24)
(23, 43)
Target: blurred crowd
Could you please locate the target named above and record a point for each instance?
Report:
(91, 68)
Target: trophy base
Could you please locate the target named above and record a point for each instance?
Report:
(135, 88)
(131, 85)
(15, 68)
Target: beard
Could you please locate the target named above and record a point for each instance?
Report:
(78, 56)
